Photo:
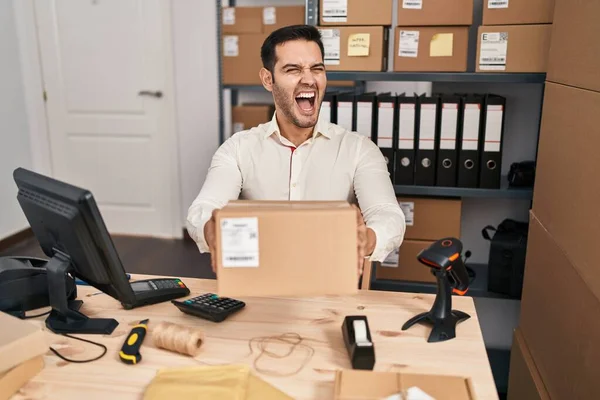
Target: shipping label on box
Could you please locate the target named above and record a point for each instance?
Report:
(335, 11)
(409, 44)
(412, 4)
(231, 46)
(497, 3)
(331, 44)
(269, 16)
(493, 51)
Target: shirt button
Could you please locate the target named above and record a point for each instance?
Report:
(294, 185)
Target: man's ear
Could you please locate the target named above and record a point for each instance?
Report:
(266, 78)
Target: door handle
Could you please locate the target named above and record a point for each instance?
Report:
(158, 94)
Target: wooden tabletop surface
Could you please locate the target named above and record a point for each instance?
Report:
(317, 320)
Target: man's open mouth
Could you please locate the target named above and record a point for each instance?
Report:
(306, 101)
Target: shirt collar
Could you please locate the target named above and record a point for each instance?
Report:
(321, 128)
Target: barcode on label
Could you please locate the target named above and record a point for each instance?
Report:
(408, 52)
(492, 59)
(497, 3)
(240, 258)
(412, 4)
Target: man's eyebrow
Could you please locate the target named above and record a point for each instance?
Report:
(318, 65)
(291, 66)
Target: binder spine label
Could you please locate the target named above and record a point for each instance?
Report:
(345, 115)
(470, 137)
(492, 52)
(325, 112)
(331, 45)
(493, 128)
(409, 44)
(448, 131)
(385, 125)
(427, 127)
(364, 117)
(406, 137)
(335, 10)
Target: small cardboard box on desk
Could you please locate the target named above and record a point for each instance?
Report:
(377, 385)
(286, 248)
(22, 346)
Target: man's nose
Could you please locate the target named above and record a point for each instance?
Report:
(308, 76)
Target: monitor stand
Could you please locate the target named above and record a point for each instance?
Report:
(65, 316)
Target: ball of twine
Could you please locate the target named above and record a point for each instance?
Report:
(177, 338)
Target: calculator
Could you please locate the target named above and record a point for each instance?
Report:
(210, 306)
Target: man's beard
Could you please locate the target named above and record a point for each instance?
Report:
(286, 106)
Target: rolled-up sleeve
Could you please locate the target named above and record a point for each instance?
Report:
(223, 183)
(377, 201)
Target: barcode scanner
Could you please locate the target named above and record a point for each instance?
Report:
(446, 263)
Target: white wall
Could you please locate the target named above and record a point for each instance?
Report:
(197, 92)
(14, 132)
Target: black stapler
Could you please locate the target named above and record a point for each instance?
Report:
(24, 286)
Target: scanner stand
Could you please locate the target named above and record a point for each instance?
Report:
(443, 318)
(65, 316)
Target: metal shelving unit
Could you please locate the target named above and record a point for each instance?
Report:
(479, 288)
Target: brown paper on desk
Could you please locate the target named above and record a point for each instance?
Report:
(216, 383)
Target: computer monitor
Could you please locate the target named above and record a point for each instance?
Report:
(67, 223)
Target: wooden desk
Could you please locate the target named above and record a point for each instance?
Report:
(319, 320)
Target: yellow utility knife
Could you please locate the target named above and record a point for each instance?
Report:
(130, 352)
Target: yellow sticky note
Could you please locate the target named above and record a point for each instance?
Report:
(358, 44)
(441, 45)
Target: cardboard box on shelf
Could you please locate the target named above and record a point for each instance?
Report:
(513, 48)
(431, 48)
(355, 48)
(241, 58)
(434, 12)
(251, 247)
(19, 341)
(574, 57)
(242, 20)
(524, 381)
(274, 18)
(431, 219)
(560, 316)
(376, 385)
(14, 379)
(408, 267)
(355, 12)
(513, 12)
(248, 116)
(566, 189)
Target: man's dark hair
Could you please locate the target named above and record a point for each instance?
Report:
(286, 34)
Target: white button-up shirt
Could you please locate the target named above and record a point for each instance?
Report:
(334, 164)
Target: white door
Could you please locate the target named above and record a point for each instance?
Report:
(107, 72)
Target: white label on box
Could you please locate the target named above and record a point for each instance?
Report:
(364, 117)
(449, 121)
(406, 134)
(331, 44)
(239, 242)
(427, 127)
(493, 128)
(492, 51)
(335, 10)
(269, 16)
(470, 137)
(412, 4)
(385, 126)
(497, 3)
(344, 117)
(229, 16)
(325, 112)
(391, 260)
(238, 127)
(408, 208)
(230, 46)
(409, 44)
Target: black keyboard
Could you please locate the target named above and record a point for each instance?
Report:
(210, 306)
